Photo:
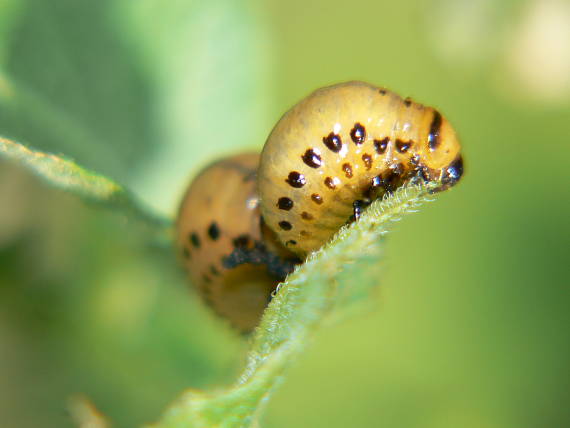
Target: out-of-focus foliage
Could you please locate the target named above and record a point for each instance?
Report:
(470, 327)
(64, 174)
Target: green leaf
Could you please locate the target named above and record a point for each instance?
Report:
(69, 84)
(331, 280)
(212, 79)
(66, 175)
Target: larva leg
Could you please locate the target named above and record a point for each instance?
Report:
(258, 254)
(358, 207)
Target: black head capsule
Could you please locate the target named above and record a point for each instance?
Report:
(451, 174)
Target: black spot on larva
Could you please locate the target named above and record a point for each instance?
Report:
(186, 253)
(382, 91)
(305, 233)
(381, 145)
(285, 203)
(214, 231)
(347, 168)
(195, 240)
(407, 102)
(358, 133)
(367, 159)
(285, 225)
(296, 179)
(317, 199)
(291, 242)
(307, 216)
(206, 278)
(434, 128)
(243, 241)
(329, 182)
(214, 271)
(333, 142)
(403, 146)
(312, 158)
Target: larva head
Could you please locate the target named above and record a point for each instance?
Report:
(220, 241)
(440, 153)
(341, 147)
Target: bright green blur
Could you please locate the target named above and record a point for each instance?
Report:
(470, 325)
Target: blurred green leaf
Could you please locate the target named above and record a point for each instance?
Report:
(64, 174)
(69, 84)
(211, 70)
(9, 13)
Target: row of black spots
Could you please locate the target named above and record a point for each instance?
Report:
(402, 146)
(334, 141)
(213, 232)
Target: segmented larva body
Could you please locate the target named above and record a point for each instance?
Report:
(326, 159)
(342, 147)
(234, 262)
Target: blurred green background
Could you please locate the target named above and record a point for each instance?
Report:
(471, 324)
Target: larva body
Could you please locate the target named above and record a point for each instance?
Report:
(219, 237)
(342, 147)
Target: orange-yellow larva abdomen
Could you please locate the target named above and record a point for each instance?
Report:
(219, 219)
(344, 145)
